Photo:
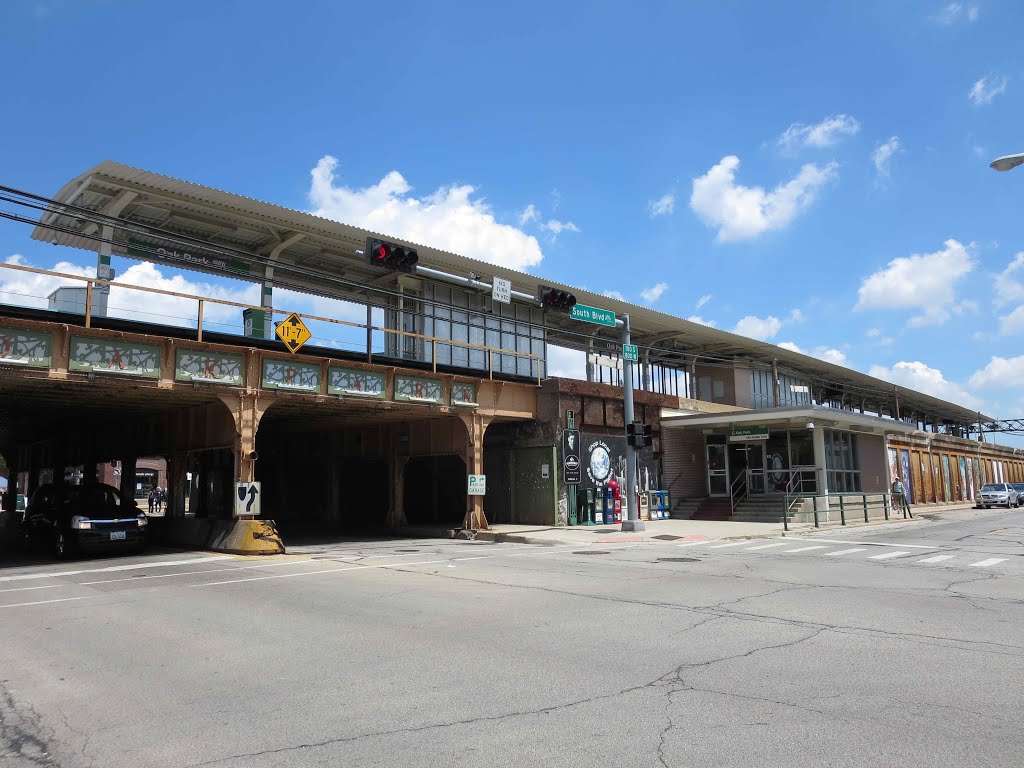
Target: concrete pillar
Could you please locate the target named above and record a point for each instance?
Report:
(128, 477)
(177, 484)
(819, 462)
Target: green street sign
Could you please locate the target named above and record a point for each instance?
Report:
(593, 315)
(630, 352)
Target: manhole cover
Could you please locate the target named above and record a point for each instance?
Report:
(666, 537)
(592, 552)
(678, 560)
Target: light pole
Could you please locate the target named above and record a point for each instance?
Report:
(1007, 162)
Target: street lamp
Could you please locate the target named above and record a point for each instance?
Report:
(1007, 162)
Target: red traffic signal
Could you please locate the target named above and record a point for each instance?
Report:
(401, 258)
(555, 298)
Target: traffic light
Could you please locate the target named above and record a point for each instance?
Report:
(555, 298)
(400, 258)
(638, 434)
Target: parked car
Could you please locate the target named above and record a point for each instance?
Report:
(998, 495)
(1019, 488)
(78, 518)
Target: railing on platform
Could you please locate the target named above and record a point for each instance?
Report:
(92, 282)
(863, 501)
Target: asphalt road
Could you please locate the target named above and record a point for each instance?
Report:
(881, 646)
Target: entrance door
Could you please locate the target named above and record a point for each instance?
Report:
(718, 470)
(748, 457)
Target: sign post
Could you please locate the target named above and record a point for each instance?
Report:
(477, 485)
(631, 352)
(632, 521)
(247, 499)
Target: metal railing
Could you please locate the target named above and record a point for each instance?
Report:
(737, 491)
(794, 486)
(867, 502)
(91, 283)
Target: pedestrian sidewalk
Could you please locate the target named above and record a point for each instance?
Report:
(658, 531)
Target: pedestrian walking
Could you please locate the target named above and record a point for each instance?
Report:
(152, 500)
(161, 499)
(899, 496)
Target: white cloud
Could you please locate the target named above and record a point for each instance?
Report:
(614, 295)
(1012, 323)
(760, 328)
(918, 376)
(882, 156)
(567, 363)
(450, 218)
(703, 300)
(663, 206)
(828, 354)
(530, 213)
(652, 294)
(827, 133)
(873, 333)
(1009, 289)
(923, 281)
(702, 321)
(556, 227)
(953, 12)
(741, 213)
(1000, 372)
(796, 315)
(986, 89)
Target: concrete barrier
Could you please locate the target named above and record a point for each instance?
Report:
(237, 537)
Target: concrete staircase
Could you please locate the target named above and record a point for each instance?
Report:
(753, 509)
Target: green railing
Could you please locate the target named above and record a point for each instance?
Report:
(856, 502)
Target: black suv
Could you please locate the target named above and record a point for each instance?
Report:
(73, 518)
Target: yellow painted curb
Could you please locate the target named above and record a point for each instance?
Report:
(248, 537)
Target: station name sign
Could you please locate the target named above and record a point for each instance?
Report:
(743, 434)
(155, 252)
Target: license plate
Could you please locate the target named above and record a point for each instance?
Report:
(117, 535)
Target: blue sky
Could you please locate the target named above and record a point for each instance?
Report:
(815, 175)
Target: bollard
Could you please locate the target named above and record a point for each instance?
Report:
(814, 500)
(842, 511)
(885, 504)
(864, 497)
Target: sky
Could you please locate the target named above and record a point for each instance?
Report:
(812, 175)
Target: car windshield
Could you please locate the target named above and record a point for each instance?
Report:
(993, 487)
(94, 499)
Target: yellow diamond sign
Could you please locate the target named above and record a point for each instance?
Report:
(293, 332)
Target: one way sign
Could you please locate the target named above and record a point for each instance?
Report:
(247, 499)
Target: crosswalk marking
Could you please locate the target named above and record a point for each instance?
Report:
(768, 546)
(691, 543)
(802, 549)
(846, 551)
(730, 544)
(987, 563)
(936, 559)
(887, 555)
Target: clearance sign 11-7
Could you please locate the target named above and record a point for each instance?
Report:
(743, 434)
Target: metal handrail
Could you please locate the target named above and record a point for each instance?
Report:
(92, 282)
(735, 497)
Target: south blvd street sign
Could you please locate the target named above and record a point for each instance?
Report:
(593, 315)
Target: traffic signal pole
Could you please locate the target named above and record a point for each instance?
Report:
(632, 521)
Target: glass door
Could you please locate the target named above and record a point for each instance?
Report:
(755, 468)
(718, 470)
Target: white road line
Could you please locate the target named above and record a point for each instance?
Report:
(768, 546)
(937, 559)
(874, 543)
(23, 589)
(845, 551)
(334, 570)
(802, 549)
(112, 568)
(887, 555)
(44, 602)
(730, 544)
(990, 561)
(695, 543)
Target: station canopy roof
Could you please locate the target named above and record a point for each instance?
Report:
(238, 237)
